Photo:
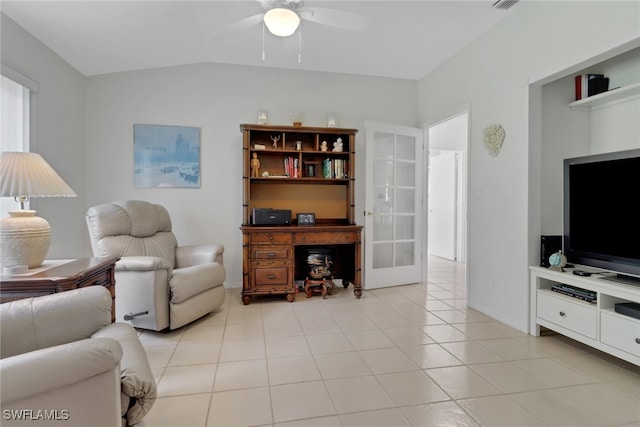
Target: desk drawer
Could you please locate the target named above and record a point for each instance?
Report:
(271, 276)
(576, 316)
(326, 238)
(620, 332)
(260, 253)
(271, 238)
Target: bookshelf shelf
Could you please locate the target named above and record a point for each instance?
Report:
(606, 97)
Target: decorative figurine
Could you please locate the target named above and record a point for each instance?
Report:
(255, 166)
(275, 140)
(337, 146)
(323, 146)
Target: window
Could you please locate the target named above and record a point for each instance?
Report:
(15, 118)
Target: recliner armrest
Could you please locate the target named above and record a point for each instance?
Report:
(51, 368)
(138, 382)
(187, 256)
(143, 263)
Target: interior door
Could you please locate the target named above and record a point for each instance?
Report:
(394, 241)
(443, 194)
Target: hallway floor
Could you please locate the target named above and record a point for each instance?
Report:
(412, 355)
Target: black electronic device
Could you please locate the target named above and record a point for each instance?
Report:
(628, 308)
(582, 273)
(306, 219)
(548, 246)
(601, 227)
(266, 216)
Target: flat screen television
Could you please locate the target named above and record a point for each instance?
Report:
(602, 212)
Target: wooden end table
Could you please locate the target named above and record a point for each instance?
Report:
(61, 275)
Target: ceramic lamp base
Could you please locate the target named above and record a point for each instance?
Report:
(24, 239)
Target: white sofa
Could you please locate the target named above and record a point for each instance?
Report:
(64, 363)
(159, 284)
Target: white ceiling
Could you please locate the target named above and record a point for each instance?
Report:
(403, 39)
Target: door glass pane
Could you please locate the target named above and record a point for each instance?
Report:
(405, 200)
(382, 172)
(404, 227)
(383, 200)
(406, 174)
(383, 145)
(382, 228)
(405, 147)
(383, 255)
(404, 253)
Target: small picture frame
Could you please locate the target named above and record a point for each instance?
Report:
(306, 219)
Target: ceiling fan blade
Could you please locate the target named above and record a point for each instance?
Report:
(266, 4)
(240, 25)
(335, 18)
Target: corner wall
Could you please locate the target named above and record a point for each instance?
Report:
(492, 75)
(57, 132)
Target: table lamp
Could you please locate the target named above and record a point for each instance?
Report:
(25, 237)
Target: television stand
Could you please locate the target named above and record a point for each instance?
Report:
(596, 324)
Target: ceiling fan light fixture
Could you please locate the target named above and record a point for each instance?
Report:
(281, 21)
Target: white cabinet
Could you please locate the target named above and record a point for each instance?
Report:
(595, 324)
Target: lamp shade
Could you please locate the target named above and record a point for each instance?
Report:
(29, 175)
(25, 237)
(281, 21)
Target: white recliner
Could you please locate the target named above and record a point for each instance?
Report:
(159, 284)
(64, 363)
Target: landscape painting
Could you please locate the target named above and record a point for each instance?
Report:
(166, 156)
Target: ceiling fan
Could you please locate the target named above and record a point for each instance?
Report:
(282, 18)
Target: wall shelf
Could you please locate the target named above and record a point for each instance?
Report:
(606, 97)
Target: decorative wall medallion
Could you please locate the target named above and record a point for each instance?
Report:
(493, 139)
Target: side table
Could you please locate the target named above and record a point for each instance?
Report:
(61, 275)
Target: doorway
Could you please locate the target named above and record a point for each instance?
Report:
(447, 189)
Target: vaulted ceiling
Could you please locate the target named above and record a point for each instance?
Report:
(399, 39)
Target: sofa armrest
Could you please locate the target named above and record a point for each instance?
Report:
(138, 383)
(187, 256)
(143, 263)
(55, 367)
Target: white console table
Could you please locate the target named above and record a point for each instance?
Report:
(595, 324)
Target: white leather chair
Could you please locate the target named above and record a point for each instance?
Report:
(159, 284)
(64, 363)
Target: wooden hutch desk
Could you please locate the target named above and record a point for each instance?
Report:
(276, 256)
(295, 168)
(61, 275)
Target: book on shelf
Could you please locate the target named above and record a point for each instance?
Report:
(335, 168)
(590, 84)
(291, 167)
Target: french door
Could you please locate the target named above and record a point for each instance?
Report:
(394, 211)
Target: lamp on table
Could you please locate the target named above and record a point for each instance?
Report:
(25, 237)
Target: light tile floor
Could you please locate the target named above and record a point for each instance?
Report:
(412, 355)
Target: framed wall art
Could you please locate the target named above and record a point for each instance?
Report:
(166, 156)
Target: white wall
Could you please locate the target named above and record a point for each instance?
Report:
(57, 131)
(570, 133)
(492, 74)
(217, 98)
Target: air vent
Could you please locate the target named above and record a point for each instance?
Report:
(504, 4)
